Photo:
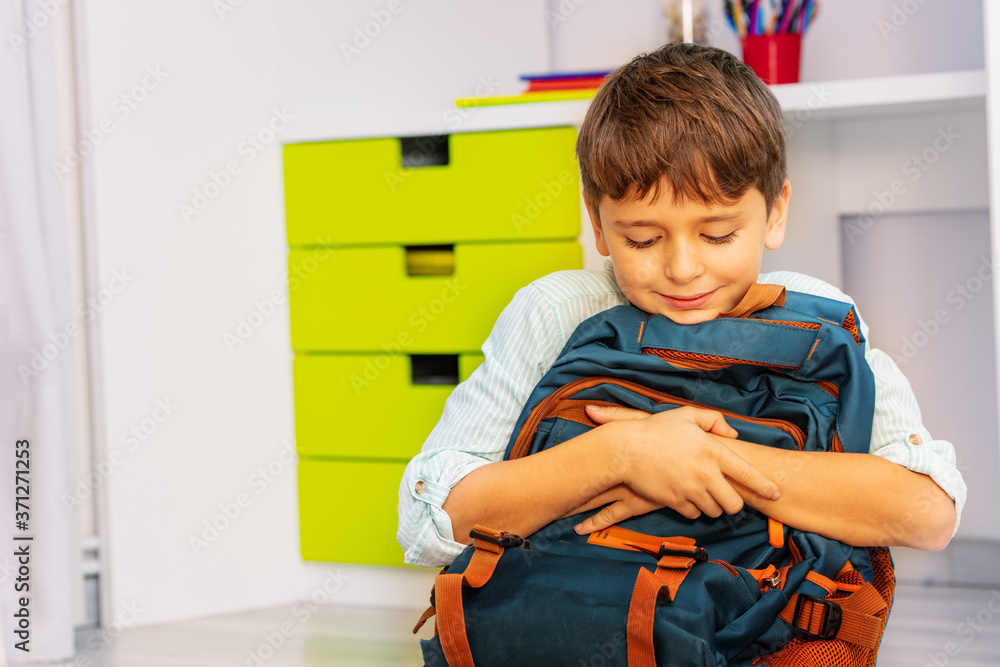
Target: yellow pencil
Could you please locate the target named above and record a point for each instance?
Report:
(738, 15)
(540, 96)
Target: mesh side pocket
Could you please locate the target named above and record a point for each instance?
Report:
(804, 652)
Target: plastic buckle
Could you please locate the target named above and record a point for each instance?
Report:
(831, 624)
(505, 540)
(699, 553)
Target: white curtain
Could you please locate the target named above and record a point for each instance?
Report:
(36, 323)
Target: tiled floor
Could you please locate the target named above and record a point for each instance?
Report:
(930, 626)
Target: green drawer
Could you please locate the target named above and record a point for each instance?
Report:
(363, 300)
(339, 399)
(348, 511)
(512, 184)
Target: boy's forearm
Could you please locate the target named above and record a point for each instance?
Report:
(523, 495)
(859, 499)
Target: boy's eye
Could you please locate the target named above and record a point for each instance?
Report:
(639, 244)
(728, 238)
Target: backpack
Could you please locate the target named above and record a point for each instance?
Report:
(786, 370)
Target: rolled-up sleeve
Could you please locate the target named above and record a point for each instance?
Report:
(477, 422)
(899, 435)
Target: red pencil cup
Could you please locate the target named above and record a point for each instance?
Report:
(774, 58)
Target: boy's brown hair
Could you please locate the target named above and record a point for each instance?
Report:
(694, 114)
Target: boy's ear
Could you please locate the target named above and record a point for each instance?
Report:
(599, 237)
(775, 234)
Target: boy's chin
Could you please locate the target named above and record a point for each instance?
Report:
(691, 316)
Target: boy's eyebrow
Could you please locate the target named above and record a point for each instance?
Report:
(718, 217)
(634, 223)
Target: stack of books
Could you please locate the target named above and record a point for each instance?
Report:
(546, 88)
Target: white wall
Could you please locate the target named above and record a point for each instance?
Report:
(848, 39)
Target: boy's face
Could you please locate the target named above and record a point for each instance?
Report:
(687, 261)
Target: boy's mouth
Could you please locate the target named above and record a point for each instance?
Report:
(688, 302)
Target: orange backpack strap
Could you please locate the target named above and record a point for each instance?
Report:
(775, 533)
(758, 297)
(489, 545)
(851, 619)
(424, 617)
(677, 557)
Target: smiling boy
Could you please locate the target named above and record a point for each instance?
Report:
(682, 157)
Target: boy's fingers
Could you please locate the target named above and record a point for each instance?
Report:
(688, 510)
(711, 421)
(726, 496)
(708, 506)
(602, 414)
(608, 516)
(736, 467)
(600, 499)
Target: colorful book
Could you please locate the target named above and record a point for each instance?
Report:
(563, 75)
(565, 84)
(553, 87)
(524, 98)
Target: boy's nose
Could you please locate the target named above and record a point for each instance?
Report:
(682, 264)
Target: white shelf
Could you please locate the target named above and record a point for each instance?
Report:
(855, 98)
(831, 100)
(909, 95)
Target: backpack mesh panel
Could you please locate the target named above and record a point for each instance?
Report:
(803, 652)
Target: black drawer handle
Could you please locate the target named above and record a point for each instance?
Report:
(434, 368)
(425, 151)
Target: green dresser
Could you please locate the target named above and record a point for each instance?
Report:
(402, 254)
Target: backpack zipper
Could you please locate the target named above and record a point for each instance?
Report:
(543, 409)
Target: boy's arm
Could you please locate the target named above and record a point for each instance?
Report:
(859, 499)
(672, 457)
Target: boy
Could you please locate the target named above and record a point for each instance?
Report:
(682, 158)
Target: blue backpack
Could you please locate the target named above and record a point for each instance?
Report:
(786, 370)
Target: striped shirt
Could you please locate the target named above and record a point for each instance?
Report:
(480, 414)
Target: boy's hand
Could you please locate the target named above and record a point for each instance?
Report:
(624, 503)
(670, 460)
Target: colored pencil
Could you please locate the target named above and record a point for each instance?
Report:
(770, 17)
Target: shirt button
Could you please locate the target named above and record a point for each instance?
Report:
(916, 439)
(420, 487)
